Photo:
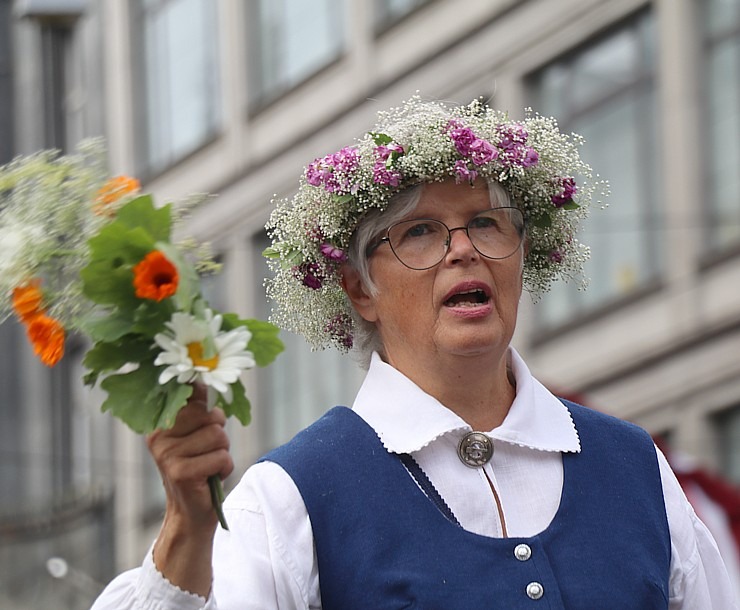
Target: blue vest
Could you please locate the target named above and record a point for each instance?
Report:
(381, 544)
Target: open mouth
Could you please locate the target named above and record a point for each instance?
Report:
(467, 298)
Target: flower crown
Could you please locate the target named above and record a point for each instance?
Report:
(421, 142)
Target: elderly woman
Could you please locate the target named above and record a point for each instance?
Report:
(456, 480)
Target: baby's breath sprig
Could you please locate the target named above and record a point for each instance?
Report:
(415, 143)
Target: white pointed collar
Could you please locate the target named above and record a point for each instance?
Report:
(407, 419)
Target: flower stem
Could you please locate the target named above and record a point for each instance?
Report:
(217, 498)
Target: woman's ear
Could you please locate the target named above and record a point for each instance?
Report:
(359, 296)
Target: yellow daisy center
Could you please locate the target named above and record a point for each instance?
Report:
(195, 351)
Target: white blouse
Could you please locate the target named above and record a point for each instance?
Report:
(267, 561)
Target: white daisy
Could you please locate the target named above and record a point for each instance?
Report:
(187, 348)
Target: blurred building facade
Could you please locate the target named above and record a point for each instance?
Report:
(234, 97)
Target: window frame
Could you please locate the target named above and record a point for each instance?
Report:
(714, 250)
(148, 167)
(383, 23)
(260, 97)
(643, 85)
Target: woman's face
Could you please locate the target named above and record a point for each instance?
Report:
(466, 305)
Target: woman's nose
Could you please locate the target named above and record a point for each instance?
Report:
(460, 246)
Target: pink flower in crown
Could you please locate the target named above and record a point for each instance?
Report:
(333, 253)
(346, 160)
(464, 173)
(383, 175)
(531, 157)
(511, 135)
(383, 152)
(318, 172)
(568, 188)
(463, 138)
(335, 172)
(481, 152)
(383, 170)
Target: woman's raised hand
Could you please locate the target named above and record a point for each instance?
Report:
(195, 448)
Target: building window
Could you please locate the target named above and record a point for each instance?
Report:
(390, 12)
(605, 91)
(301, 385)
(728, 430)
(177, 59)
(721, 20)
(6, 85)
(291, 41)
(55, 45)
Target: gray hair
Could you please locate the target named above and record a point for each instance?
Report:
(372, 227)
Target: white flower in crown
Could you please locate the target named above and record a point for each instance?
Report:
(423, 142)
(197, 349)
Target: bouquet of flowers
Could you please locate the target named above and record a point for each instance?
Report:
(84, 253)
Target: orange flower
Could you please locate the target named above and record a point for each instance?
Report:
(112, 191)
(155, 277)
(47, 337)
(27, 300)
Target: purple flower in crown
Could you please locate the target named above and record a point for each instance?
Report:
(556, 256)
(383, 175)
(347, 160)
(531, 157)
(333, 253)
(510, 135)
(383, 170)
(318, 171)
(309, 274)
(340, 328)
(482, 152)
(519, 155)
(464, 173)
(567, 188)
(383, 152)
(334, 172)
(463, 138)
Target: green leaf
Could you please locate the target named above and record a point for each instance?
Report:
(290, 255)
(264, 344)
(120, 245)
(107, 282)
(108, 328)
(150, 317)
(239, 407)
(135, 398)
(108, 278)
(570, 205)
(380, 139)
(543, 222)
(104, 357)
(188, 286)
(344, 199)
(143, 214)
(176, 397)
(90, 378)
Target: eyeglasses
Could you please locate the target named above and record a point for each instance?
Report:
(422, 243)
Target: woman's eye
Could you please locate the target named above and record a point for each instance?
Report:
(483, 222)
(418, 230)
